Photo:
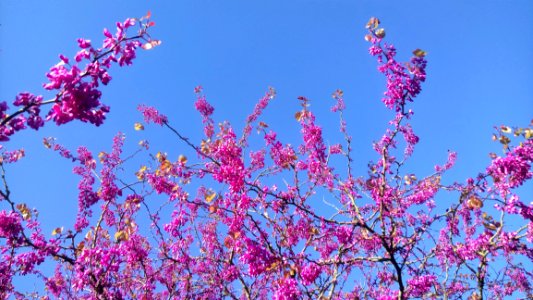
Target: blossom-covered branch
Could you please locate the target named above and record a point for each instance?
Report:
(250, 216)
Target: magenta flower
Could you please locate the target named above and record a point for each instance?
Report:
(10, 226)
(151, 115)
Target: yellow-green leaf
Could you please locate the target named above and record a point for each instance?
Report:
(506, 129)
(380, 33)
(372, 23)
(419, 53)
(138, 126)
(58, 230)
(474, 203)
(209, 197)
(121, 236)
(298, 116)
(528, 133)
(24, 210)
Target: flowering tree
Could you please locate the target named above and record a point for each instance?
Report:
(243, 218)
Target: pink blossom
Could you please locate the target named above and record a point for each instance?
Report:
(420, 285)
(10, 226)
(257, 258)
(202, 106)
(452, 157)
(287, 290)
(335, 149)
(512, 170)
(151, 115)
(309, 273)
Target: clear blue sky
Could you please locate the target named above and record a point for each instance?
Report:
(480, 74)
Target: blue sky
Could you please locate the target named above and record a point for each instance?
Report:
(479, 75)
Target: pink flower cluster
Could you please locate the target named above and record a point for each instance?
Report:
(78, 95)
(230, 167)
(257, 258)
(18, 121)
(420, 285)
(287, 290)
(514, 169)
(10, 225)
(403, 82)
(206, 110)
(152, 115)
(313, 145)
(283, 156)
(273, 222)
(258, 110)
(310, 273)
